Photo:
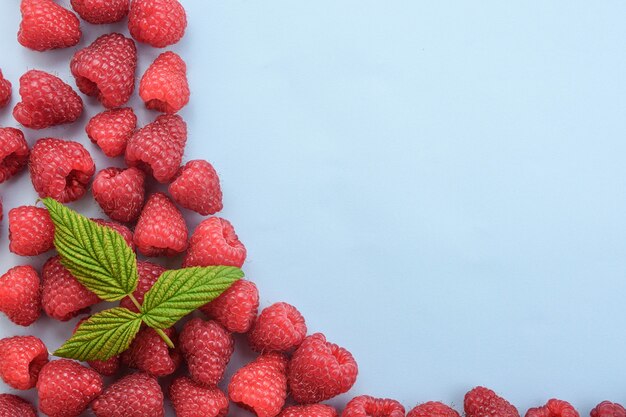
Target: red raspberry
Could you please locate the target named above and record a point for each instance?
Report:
(21, 360)
(12, 406)
(608, 409)
(13, 152)
(311, 410)
(164, 85)
(157, 22)
(161, 229)
(46, 101)
(135, 395)
(236, 308)
(366, 406)
(65, 388)
(320, 370)
(194, 400)
(46, 25)
(149, 273)
(207, 348)
(432, 409)
(483, 402)
(197, 188)
(261, 385)
(101, 11)
(214, 242)
(62, 296)
(106, 69)
(150, 354)
(5, 91)
(553, 408)
(20, 295)
(111, 129)
(120, 192)
(126, 233)
(279, 327)
(109, 367)
(158, 147)
(31, 231)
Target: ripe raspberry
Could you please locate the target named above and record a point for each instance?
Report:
(106, 69)
(135, 395)
(65, 388)
(432, 409)
(148, 275)
(553, 408)
(13, 152)
(120, 192)
(150, 354)
(62, 296)
(21, 360)
(60, 169)
(126, 233)
(279, 327)
(236, 308)
(164, 85)
(483, 402)
(46, 25)
(214, 242)
(46, 101)
(194, 400)
(320, 370)
(157, 22)
(12, 406)
(5, 91)
(197, 188)
(109, 367)
(158, 147)
(261, 385)
(20, 295)
(31, 231)
(101, 11)
(312, 410)
(111, 129)
(366, 406)
(207, 348)
(161, 229)
(608, 409)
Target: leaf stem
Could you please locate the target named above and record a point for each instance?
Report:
(166, 339)
(135, 302)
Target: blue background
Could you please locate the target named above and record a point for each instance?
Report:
(438, 186)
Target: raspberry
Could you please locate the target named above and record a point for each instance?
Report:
(20, 295)
(109, 367)
(13, 152)
(12, 406)
(214, 242)
(261, 385)
(194, 400)
(164, 85)
(62, 296)
(207, 348)
(106, 69)
(366, 406)
(320, 370)
(31, 231)
(135, 395)
(148, 275)
(60, 169)
(101, 11)
(197, 188)
(120, 192)
(158, 147)
(21, 360)
(236, 308)
(161, 229)
(111, 129)
(46, 101)
(46, 25)
(119, 228)
(65, 388)
(157, 22)
(432, 409)
(312, 410)
(553, 408)
(5, 91)
(279, 327)
(608, 409)
(483, 402)
(150, 354)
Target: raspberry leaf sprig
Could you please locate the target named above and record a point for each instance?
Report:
(101, 260)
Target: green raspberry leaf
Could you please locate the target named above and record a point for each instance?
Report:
(96, 255)
(102, 336)
(178, 293)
